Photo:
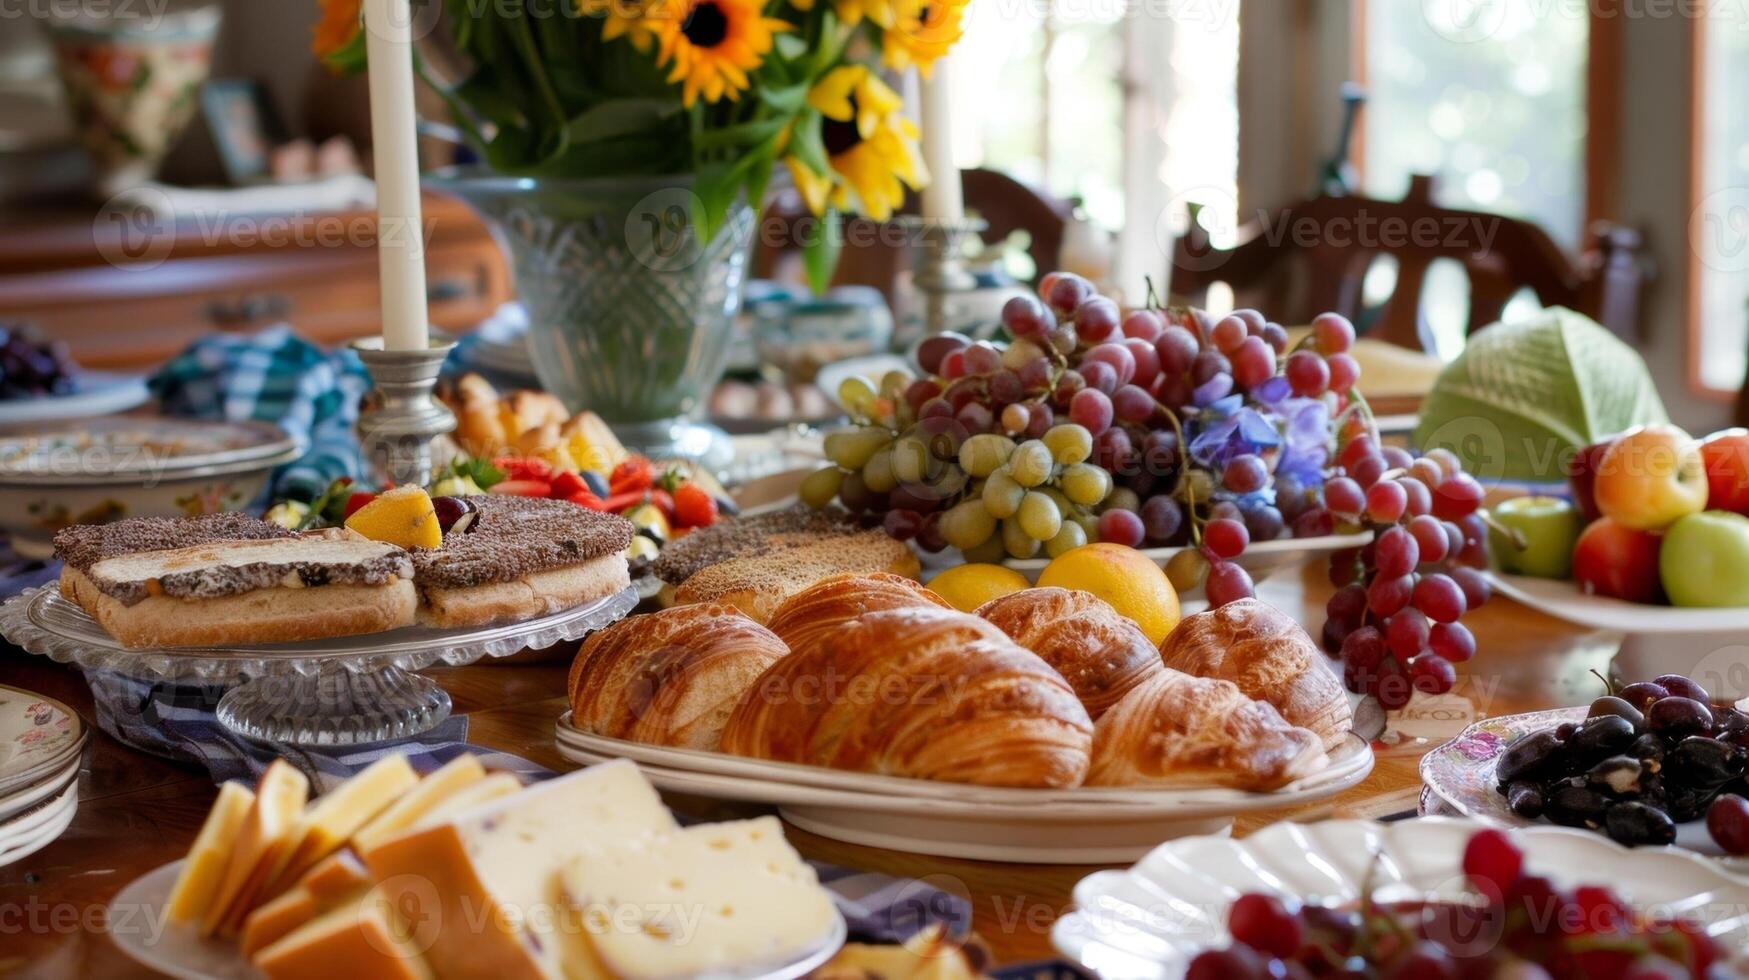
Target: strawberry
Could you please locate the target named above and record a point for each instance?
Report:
(523, 488)
(635, 473)
(567, 485)
(694, 506)
(358, 499)
(589, 500)
(620, 502)
(663, 500)
(524, 468)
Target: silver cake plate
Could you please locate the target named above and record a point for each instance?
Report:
(349, 690)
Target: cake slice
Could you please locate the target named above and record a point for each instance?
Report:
(518, 558)
(180, 583)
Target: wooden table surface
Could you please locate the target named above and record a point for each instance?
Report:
(137, 811)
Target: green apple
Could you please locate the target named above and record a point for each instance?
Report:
(1549, 526)
(1705, 560)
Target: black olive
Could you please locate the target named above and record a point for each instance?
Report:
(1686, 801)
(1612, 705)
(1727, 720)
(1525, 798)
(1576, 806)
(1601, 737)
(1636, 824)
(1676, 717)
(1650, 749)
(1618, 775)
(1704, 761)
(1526, 755)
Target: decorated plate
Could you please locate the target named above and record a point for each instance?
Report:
(1148, 921)
(38, 735)
(120, 450)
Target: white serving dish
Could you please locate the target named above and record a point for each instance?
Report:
(137, 925)
(1461, 773)
(101, 470)
(36, 829)
(20, 801)
(1705, 644)
(992, 823)
(95, 393)
(1147, 922)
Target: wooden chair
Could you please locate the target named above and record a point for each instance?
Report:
(1311, 257)
(875, 254)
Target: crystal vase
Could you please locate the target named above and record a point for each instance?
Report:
(629, 310)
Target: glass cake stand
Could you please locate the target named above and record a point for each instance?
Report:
(348, 690)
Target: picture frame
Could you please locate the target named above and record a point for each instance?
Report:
(245, 127)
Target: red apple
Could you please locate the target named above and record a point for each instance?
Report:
(1582, 474)
(1726, 455)
(1619, 562)
(1651, 478)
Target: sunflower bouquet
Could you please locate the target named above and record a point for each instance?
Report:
(722, 90)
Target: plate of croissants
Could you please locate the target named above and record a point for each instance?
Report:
(870, 711)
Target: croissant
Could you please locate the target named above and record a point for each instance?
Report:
(670, 677)
(1179, 730)
(1099, 651)
(1269, 656)
(926, 693)
(839, 599)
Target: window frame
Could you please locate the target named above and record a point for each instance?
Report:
(1694, 285)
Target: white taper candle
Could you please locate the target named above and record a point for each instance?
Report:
(941, 198)
(388, 26)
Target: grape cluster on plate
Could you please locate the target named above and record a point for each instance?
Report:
(1517, 925)
(31, 365)
(1646, 758)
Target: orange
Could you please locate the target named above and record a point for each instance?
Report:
(1123, 577)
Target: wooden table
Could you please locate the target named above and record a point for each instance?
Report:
(137, 811)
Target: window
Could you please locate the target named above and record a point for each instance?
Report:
(1719, 224)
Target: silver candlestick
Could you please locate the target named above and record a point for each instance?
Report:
(939, 273)
(396, 436)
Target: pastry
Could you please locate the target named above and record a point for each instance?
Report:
(1267, 654)
(1179, 730)
(1100, 652)
(518, 558)
(670, 677)
(925, 693)
(757, 562)
(232, 580)
(839, 599)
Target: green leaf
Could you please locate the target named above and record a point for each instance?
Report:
(1523, 397)
(791, 47)
(820, 253)
(714, 189)
(787, 100)
(348, 59)
(620, 117)
(807, 143)
(743, 134)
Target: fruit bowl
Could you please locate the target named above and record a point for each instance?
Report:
(1705, 644)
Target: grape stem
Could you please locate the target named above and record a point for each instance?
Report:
(1513, 536)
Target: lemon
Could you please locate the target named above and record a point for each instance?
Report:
(403, 517)
(1123, 577)
(969, 586)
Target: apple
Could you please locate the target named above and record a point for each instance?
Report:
(1726, 455)
(1705, 560)
(1650, 478)
(1549, 526)
(1582, 475)
(1619, 562)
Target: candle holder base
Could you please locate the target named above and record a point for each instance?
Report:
(939, 273)
(396, 436)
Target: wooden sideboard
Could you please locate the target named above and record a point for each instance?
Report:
(127, 295)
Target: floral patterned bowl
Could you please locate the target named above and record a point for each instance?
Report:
(102, 470)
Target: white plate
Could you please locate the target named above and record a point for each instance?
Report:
(1261, 558)
(1461, 772)
(1563, 600)
(992, 823)
(138, 927)
(29, 796)
(1148, 921)
(30, 829)
(44, 836)
(98, 393)
(37, 736)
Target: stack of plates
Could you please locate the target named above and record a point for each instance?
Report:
(41, 741)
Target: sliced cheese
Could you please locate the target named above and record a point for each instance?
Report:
(204, 869)
(495, 786)
(458, 773)
(339, 878)
(712, 899)
(262, 841)
(338, 814)
(481, 891)
(358, 939)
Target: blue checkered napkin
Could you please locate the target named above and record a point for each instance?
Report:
(275, 376)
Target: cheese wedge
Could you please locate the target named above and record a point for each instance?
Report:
(339, 878)
(713, 899)
(458, 773)
(262, 841)
(204, 869)
(493, 787)
(358, 939)
(332, 820)
(481, 891)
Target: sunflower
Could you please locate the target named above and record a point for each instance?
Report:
(622, 18)
(920, 38)
(871, 148)
(337, 29)
(885, 13)
(712, 44)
